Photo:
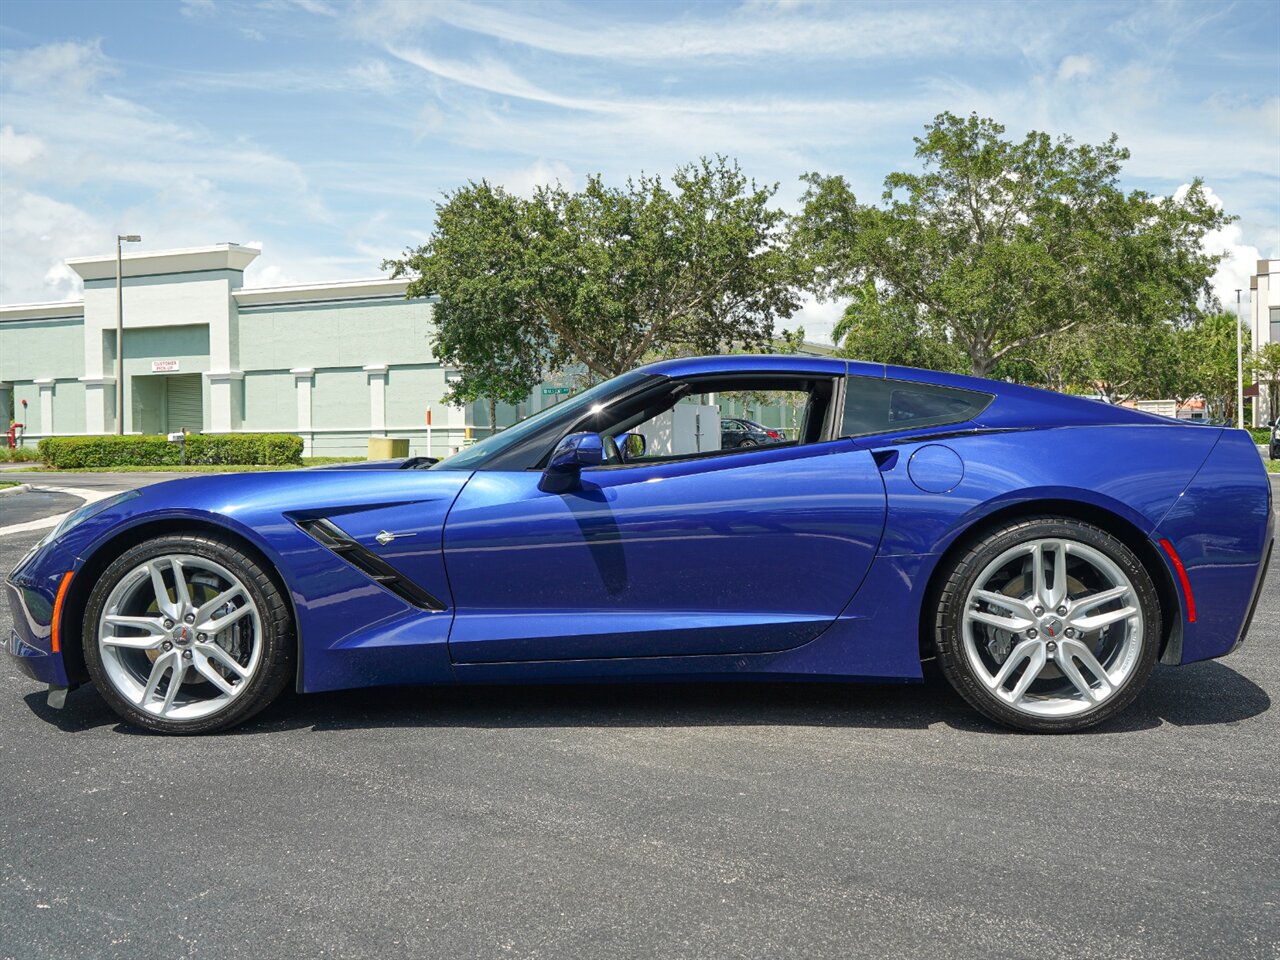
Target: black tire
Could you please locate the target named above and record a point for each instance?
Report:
(960, 577)
(275, 665)
(748, 442)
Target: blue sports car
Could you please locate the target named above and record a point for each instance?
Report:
(1046, 550)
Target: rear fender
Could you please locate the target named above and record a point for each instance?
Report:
(1221, 529)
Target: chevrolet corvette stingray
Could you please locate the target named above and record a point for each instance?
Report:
(1047, 550)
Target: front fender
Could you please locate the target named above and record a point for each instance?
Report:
(351, 630)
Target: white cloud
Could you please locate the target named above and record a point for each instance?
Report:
(767, 132)
(753, 31)
(496, 76)
(197, 9)
(70, 66)
(373, 75)
(269, 275)
(177, 185)
(1074, 66)
(1240, 260)
(18, 149)
(817, 317)
(316, 7)
(539, 174)
(36, 233)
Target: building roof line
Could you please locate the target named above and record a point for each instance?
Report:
(327, 285)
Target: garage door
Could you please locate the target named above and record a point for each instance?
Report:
(184, 407)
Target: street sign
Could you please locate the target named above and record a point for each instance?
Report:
(554, 391)
(164, 366)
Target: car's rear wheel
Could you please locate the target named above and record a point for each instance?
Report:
(1048, 624)
(187, 634)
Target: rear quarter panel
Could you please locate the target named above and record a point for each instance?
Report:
(1136, 472)
(1222, 527)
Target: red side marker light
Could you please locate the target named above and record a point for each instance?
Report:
(56, 626)
(1182, 576)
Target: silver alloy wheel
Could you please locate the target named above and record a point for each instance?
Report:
(1053, 627)
(180, 637)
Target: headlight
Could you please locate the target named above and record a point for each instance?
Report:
(89, 510)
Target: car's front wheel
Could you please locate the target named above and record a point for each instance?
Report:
(1048, 624)
(187, 634)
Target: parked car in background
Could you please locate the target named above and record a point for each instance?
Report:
(739, 432)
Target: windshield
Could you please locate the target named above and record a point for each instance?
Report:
(571, 410)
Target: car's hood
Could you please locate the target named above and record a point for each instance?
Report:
(251, 497)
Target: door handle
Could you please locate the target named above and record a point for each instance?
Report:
(886, 460)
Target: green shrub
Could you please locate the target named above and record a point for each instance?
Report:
(19, 454)
(1261, 435)
(245, 449)
(275, 449)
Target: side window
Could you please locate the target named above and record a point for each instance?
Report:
(728, 415)
(883, 406)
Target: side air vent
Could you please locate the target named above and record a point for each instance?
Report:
(370, 564)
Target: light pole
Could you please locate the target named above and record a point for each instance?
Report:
(1239, 367)
(126, 238)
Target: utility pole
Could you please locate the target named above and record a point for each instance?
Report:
(120, 238)
(1239, 367)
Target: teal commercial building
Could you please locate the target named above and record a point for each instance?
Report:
(337, 363)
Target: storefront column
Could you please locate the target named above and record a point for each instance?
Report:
(46, 405)
(223, 405)
(99, 404)
(302, 381)
(377, 398)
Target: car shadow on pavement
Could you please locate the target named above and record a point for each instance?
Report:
(1195, 695)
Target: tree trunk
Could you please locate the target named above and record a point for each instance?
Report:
(981, 366)
(493, 416)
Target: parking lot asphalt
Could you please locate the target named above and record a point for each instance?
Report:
(703, 820)
(35, 504)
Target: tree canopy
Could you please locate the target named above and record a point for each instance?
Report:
(1264, 365)
(1209, 360)
(605, 277)
(998, 247)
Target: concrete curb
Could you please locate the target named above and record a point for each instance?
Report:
(20, 488)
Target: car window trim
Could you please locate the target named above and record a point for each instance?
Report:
(907, 428)
(831, 418)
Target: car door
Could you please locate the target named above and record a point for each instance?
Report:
(740, 552)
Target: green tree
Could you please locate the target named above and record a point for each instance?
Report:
(1265, 370)
(892, 330)
(1210, 356)
(1002, 246)
(602, 277)
(1133, 360)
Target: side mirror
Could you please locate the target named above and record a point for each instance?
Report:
(631, 446)
(564, 470)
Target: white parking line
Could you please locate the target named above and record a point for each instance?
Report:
(88, 496)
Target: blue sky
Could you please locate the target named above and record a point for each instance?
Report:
(326, 131)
